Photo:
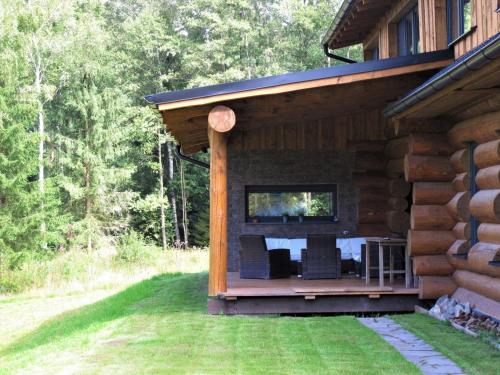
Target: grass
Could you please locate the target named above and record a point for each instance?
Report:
(78, 271)
(159, 325)
(471, 354)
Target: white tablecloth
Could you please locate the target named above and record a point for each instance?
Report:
(350, 247)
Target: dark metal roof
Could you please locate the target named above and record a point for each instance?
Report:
(289, 78)
(474, 60)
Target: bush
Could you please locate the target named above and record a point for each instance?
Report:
(133, 249)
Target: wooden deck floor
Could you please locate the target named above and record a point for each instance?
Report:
(294, 286)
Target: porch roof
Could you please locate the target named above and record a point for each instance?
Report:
(473, 75)
(318, 93)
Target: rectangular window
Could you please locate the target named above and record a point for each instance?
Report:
(459, 14)
(408, 34)
(291, 203)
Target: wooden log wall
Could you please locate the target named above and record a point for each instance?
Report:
(471, 263)
(427, 166)
(369, 178)
(397, 217)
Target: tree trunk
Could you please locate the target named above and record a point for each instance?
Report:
(41, 145)
(184, 205)
(161, 193)
(172, 192)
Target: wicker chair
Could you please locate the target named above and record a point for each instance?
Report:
(256, 262)
(322, 258)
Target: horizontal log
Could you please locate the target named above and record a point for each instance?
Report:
(397, 204)
(396, 148)
(428, 168)
(370, 161)
(221, 118)
(395, 168)
(462, 231)
(489, 233)
(487, 154)
(461, 182)
(432, 287)
(430, 217)
(429, 242)
(479, 257)
(458, 206)
(406, 127)
(485, 285)
(479, 129)
(398, 221)
(459, 247)
(432, 265)
(485, 206)
(368, 215)
(373, 230)
(399, 188)
(367, 195)
(432, 192)
(429, 144)
(460, 160)
(488, 178)
(366, 146)
(363, 180)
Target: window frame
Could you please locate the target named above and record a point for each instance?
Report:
(474, 224)
(313, 188)
(411, 18)
(461, 33)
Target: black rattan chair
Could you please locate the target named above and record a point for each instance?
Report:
(256, 262)
(322, 258)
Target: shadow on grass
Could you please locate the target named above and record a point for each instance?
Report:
(160, 295)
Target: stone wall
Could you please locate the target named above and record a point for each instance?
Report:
(300, 167)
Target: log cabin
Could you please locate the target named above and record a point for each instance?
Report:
(400, 152)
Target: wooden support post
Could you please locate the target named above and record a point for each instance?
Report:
(221, 119)
(381, 265)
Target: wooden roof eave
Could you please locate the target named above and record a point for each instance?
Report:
(187, 119)
(303, 85)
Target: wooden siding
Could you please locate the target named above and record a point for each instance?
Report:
(386, 29)
(486, 21)
(433, 27)
(331, 134)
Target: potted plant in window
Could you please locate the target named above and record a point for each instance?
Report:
(285, 217)
(301, 214)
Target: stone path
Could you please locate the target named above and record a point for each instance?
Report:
(415, 350)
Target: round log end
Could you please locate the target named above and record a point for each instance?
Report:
(221, 119)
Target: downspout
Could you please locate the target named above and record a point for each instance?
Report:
(336, 57)
(189, 159)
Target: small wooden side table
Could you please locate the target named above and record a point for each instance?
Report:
(390, 243)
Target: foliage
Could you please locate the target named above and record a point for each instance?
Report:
(73, 75)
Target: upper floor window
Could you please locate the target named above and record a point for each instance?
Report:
(408, 34)
(459, 14)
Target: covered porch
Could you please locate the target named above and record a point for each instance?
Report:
(320, 133)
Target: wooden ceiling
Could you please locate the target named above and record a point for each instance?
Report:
(358, 22)
(189, 125)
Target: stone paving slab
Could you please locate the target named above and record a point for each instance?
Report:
(415, 350)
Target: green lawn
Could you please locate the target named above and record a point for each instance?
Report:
(471, 354)
(160, 326)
